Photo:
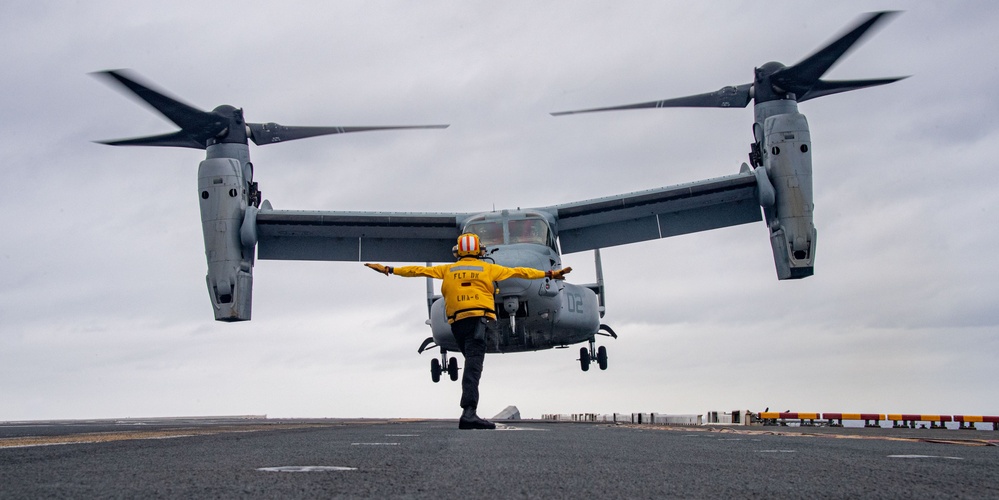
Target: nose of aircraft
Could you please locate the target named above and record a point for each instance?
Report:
(517, 257)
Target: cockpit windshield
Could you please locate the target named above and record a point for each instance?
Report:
(490, 233)
(529, 231)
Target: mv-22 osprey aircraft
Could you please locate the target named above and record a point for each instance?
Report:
(239, 227)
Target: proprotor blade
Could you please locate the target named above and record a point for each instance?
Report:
(271, 133)
(224, 124)
(726, 97)
(197, 126)
(176, 139)
(823, 87)
(801, 77)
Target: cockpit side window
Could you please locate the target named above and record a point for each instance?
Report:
(529, 231)
(490, 233)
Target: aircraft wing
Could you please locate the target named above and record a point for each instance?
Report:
(658, 213)
(586, 225)
(356, 236)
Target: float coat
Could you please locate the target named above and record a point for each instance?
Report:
(468, 285)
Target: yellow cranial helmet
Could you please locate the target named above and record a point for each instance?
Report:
(468, 246)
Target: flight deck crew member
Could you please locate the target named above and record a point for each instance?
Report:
(469, 301)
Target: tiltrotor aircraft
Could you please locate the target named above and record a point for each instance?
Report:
(239, 227)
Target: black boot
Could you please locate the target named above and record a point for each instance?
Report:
(469, 420)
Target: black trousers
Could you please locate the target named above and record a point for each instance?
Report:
(470, 333)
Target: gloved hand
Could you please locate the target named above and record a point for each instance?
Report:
(560, 274)
(380, 268)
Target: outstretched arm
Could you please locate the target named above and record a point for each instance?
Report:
(559, 274)
(528, 273)
(386, 270)
(410, 271)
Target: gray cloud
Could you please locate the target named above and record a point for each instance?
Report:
(103, 311)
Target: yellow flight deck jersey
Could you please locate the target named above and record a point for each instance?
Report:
(468, 284)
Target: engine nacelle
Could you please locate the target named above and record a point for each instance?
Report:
(222, 190)
(788, 163)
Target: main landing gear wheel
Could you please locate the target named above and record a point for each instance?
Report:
(435, 370)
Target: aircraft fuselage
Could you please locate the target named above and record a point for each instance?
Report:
(531, 314)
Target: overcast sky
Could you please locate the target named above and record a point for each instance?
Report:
(103, 307)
